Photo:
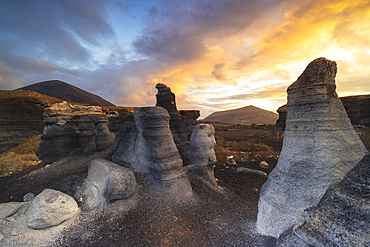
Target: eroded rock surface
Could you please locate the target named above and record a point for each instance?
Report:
(166, 99)
(50, 208)
(280, 123)
(105, 181)
(149, 148)
(201, 155)
(319, 148)
(189, 121)
(342, 217)
(357, 108)
(73, 129)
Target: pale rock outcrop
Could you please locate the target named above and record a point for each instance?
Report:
(319, 148)
(201, 155)
(342, 217)
(50, 208)
(73, 129)
(105, 181)
(149, 148)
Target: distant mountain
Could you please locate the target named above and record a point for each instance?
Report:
(67, 92)
(245, 115)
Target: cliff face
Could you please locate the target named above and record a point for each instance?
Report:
(357, 108)
(21, 116)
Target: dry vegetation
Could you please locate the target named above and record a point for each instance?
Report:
(20, 157)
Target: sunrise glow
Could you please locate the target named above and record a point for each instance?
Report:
(215, 55)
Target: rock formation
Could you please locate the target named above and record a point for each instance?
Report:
(280, 123)
(166, 99)
(105, 181)
(73, 129)
(189, 121)
(319, 148)
(342, 217)
(201, 155)
(21, 116)
(357, 108)
(50, 208)
(149, 148)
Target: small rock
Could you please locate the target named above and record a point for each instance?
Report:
(231, 161)
(247, 170)
(264, 165)
(1, 236)
(28, 197)
(14, 233)
(254, 189)
(50, 208)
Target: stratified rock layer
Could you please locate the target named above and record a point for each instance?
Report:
(21, 116)
(166, 99)
(319, 148)
(342, 218)
(149, 148)
(73, 129)
(189, 121)
(357, 108)
(201, 155)
(280, 123)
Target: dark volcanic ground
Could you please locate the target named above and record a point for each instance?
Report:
(208, 218)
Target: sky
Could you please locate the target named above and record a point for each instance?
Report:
(214, 55)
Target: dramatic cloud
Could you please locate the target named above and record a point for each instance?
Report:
(215, 55)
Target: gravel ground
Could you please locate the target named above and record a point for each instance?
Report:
(209, 218)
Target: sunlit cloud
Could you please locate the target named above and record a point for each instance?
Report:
(214, 55)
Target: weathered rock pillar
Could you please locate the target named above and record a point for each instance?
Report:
(149, 148)
(201, 155)
(319, 148)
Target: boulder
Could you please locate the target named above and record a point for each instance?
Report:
(201, 155)
(342, 217)
(73, 129)
(105, 181)
(50, 208)
(319, 148)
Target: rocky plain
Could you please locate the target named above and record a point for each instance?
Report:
(159, 177)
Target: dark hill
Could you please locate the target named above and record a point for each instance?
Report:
(245, 115)
(67, 92)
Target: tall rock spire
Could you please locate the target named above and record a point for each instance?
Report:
(319, 148)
